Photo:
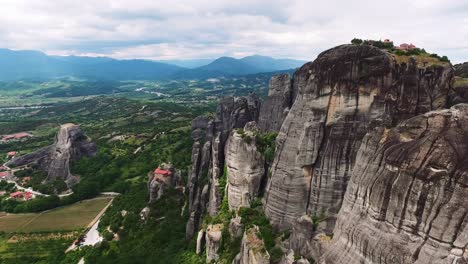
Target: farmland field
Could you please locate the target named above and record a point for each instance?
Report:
(31, 248)
(72, 217)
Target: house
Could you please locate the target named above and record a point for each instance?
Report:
(16, 195)
(2, 193)
(162, 172)
(25, 180)
(27, 196)
(21, 195)
(163, 176)
(16, 136)
(406, 46)
(4, 175)
(11, 154)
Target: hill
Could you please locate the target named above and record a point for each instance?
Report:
(35, 65)
(16, 65)
(228, 66)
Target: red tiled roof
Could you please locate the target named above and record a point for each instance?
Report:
(161, 171)
(27, 195)
(16, 194)
(11, 153)
(21, 135)
(4, 174)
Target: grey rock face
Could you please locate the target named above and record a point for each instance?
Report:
(213, 242)
(236, 228)
(70, 145)
(244, 166)
(200, 242)
(208, 155)
(252, 248)
(277, 105)
(459, 96)
(302, 235)
(461, 69)
(407, 198)
(343, 94)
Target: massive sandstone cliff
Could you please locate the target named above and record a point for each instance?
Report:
(323, 115)
(407, 198)
(343, 94)
(70, 145)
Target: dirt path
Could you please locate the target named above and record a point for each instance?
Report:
(98, 216)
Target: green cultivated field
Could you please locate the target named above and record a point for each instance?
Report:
(72, 217)
(33, 248)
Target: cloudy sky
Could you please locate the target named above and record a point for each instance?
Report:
(187, 29)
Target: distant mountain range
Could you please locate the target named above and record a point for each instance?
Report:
(17, 65)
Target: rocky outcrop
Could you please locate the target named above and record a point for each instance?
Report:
(252, 248)
(346, 92)
(200, 242)
(159, 180)
(208, 156)
(407, 198)
(459, 96)
(276, 106)
(461, 69)
(213, 237)
(70, 145)
(236, 228)
(244, 167)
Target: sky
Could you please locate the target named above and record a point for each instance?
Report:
(188, 29)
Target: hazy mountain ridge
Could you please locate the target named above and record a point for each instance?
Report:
(16, 65)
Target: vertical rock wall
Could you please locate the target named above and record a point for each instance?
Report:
(344, 93)
(407, 198)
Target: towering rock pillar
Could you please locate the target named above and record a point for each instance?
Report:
(407, 199)
(343, 94)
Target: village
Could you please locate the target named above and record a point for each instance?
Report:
(12, 187)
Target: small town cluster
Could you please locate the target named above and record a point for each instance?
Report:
(13, 187)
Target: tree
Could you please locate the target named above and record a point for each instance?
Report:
(356, 41)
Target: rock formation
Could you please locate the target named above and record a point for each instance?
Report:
(160, 179)
(210, 136)
(244, 167)
(277, 104)
(343, 94)
(213, 237)
(461, 69)
(252, 249)
(236, 228)
(70, 145)
(407, 198)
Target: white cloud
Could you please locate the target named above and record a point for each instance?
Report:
(195, 29)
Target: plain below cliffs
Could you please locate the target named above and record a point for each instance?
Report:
(407, 198)
(343, 94)
(70, 145)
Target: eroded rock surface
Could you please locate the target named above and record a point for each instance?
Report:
(343, 94)
(244, 167)
(461, 69)
(214, 234)
(407, 199)
(252, 248)
(208, 156)
(70, 145)
(276, 106)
